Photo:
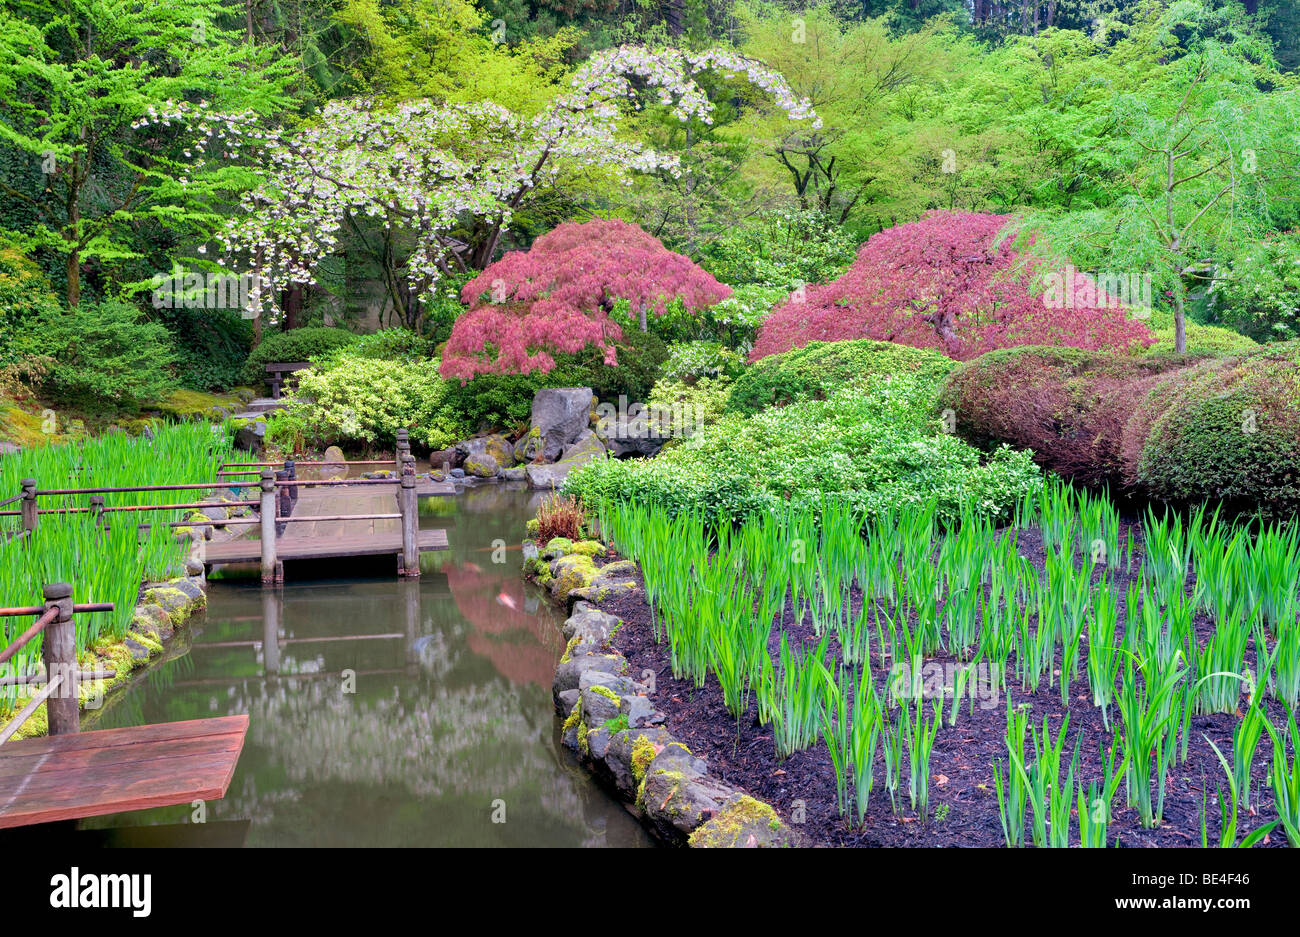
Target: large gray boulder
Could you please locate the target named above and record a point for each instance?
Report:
(560, 416)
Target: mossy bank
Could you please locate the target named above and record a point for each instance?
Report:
(612, 724)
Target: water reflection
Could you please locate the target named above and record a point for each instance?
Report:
(385, 712)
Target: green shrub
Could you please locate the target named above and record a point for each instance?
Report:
(1227, 430)
(24, 297)
(783, 249)
(1202, 339)
(701, 359)
(212, 345)
(304, 344)
(1261, 295)
(101, 357)
(876, 445)
(819, 368)
(640, 355)
(396, 344)
(366, 400)
(706, 397)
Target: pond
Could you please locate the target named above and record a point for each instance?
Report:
(384, 713)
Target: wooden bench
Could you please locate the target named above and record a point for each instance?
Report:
(277, 370)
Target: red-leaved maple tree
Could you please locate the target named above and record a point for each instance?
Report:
(557, 298)
(947, 283)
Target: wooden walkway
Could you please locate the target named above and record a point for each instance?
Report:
(88, 774)
(320, 548)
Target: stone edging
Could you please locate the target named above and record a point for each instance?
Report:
(613, 727)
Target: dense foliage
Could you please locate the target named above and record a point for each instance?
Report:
(819, 368)
(876, 446)
(100, 357)
(947, 282)
(305, 344)
(1260, 296)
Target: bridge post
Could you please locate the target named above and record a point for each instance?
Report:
(98, 519)
(59, 650)
(30, 517)
(409, 507)
(268, 525)
(403, 447)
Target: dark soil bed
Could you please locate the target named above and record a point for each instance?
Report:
(963, 799)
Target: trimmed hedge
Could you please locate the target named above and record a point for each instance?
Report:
(818, 369)
(1174, 428)
(302, 344)
(1229, 429)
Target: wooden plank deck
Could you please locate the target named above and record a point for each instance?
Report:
(319, 548)
(88, 774)
(424, 488)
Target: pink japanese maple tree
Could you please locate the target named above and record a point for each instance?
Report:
(557, 298)
(946, 282)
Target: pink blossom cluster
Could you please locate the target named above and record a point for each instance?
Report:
(557, 298)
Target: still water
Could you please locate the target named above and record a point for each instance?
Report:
(385, 713)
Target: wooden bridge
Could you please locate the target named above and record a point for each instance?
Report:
(71, 774)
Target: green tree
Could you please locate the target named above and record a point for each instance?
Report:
(76, 77)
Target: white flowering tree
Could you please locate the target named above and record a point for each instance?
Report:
(430, 169)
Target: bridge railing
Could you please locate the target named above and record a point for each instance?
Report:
(278, 490)
(59, 652)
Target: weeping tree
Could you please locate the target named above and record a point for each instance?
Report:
(1203, 161)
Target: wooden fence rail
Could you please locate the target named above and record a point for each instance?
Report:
(59, 652)
(277, 491)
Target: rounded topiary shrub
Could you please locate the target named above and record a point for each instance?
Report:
(819, 368)
(1174, 428)
(1069, 405)
(303, 344)
(1228, 430)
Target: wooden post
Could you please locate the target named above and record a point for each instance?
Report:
(409, 506)
(291, 468)
(97, 516)
(59, 650)
(30, 516)
(268, 525)
(403, 447)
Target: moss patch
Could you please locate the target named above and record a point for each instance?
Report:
(743, 822)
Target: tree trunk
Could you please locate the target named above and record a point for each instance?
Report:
(1180, 325)
(291, 303)
(74, 278)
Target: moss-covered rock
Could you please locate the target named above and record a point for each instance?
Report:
(570, 573)
(742, 822)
